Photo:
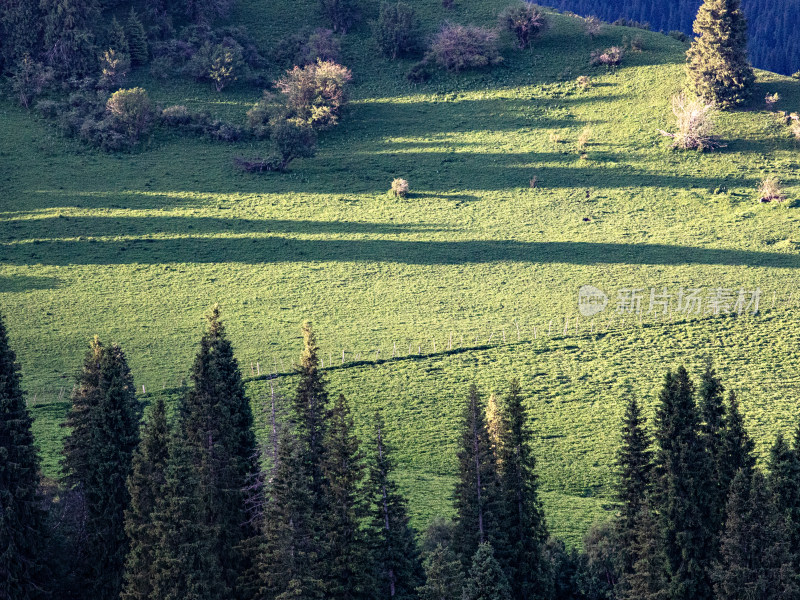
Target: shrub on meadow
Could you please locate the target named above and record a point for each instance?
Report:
(341, 14)
(678, 35)
(459, 47)
(592, 26)
(29, 80)
(114, 67)
(291, 141)
(315, 94)
(524, 20)
(399, 188)
(694, 120)
(609, 58)
(397, 30)
(770, 190)
(795, 129)
(132, 112)
(221, 64)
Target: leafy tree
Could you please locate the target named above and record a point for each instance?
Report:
(69, 41)
(104, 432)
(29, 79)
(146, 486)
(186, 558)
(132, 112)
(717, 63)
(395, 552)
(444, 575)
(315, 94)
(347, 558)
(397, 30)
(634, 461)
(478, 499)
(756, 557)
(524, 520)
(216, 428)
(22, 519)
(682, 499)
(486, 580)
(292, 141)
(341, 14)
(137, 39)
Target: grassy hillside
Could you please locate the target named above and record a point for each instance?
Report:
(137, 247)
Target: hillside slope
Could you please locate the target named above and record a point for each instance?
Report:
(136, 247)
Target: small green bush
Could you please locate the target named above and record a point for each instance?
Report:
(221, 64)
(524, 20)
(131, 112)
(397, 30)
(678, 35)
(29, 79)
(459, 47)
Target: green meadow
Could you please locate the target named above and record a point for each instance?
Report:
(472, 277)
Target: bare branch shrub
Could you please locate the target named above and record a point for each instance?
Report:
(771, 100)
(770, 190)
(459, 47)
(592, 26)
(610, 57)
(524, 20)
(694, 122)
(400, 187)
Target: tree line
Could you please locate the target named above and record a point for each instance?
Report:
(772, 25)
(190, 504)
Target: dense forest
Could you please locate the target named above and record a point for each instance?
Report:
(774, 43)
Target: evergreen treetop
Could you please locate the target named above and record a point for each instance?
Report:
(486, 580)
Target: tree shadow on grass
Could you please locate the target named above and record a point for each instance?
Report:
(24, 283)
(269, 250)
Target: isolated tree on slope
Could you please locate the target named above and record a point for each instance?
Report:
(104, 432)
(21, 518)
(717, 63)
(146, 486)
(398, 566)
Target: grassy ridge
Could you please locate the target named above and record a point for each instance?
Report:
(136, 247)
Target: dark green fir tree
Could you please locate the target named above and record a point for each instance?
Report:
(480, 510)
(756, 552)
(146, 486)
(118, 41)
(648, 579)
(717, 64)
(137, 39)
(486, 579)
(216, 426)
(186, 558)
(22, 519)
(737, 448)
(348, 561)
(635, 464)
(783, 479)
(444, 575)
(69, 39)
(104, 432)
(711, 403)
(398, 567)
(20, 28)
(682, 499)
(524, 518)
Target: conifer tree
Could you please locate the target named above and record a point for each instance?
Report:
(104, 432)
(398, 566)
(478, 500)
(682, 499)
(784, 481)
(711, 405)
(444, 575)
(494, 425)
(347, 561)
(524, 517)
(136, 38)
(756, 558)
(737, 445)
(717, 64)
(648, 579)
(20, 26)
(288, 557)
(216, 425)
(118, 41)
(310, 405)
(69, 40)
(486, 580)
(22, 520)
(186, 558)
(634, 462)
(146, 486)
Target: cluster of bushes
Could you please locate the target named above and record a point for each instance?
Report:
(306, 47)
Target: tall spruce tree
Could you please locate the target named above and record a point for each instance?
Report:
(783, 464)
(480, 510)
(737, 445)
(486, 580)
(186, 557)
(104, 432)
(20, 28)
(311, 410)
(711, 403)
(444, 575)
(137, 39)
(756, 551)
(146, 486)
(348, 567)
(524, 519)
(682, 499)
(216, 425)
(648, 579)
(22, 519)
(717, 64)
(635, 462)
(398, 567)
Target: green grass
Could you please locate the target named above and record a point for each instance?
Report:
(137, 247)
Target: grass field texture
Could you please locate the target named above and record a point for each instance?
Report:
(136, 247)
